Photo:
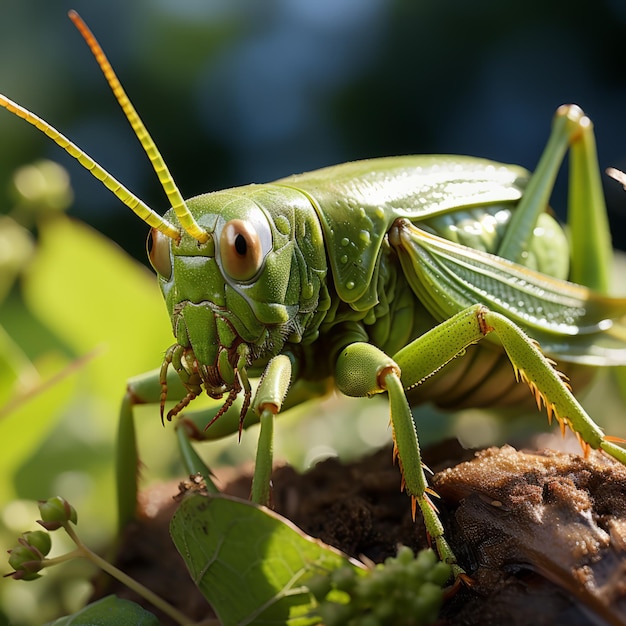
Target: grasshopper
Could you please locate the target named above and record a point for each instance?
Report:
(377, 276)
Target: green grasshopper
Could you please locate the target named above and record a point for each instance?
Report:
(375, 276)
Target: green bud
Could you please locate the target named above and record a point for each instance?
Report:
(427, 602)
(384, 609)
(39, 540)
(368, 587)
(55, 512)
(418, 571)
(405, 555)
(42, 186)
(332, 614)
(440, 573)
(26, 561)
(319, 586)
(427, 559)
(344, 578)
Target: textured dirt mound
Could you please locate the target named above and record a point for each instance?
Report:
(543, 535)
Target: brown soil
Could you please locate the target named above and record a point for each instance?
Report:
(543, 535)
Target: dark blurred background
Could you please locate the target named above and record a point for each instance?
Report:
(238, 91)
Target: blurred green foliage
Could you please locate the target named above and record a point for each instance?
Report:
(69, 344)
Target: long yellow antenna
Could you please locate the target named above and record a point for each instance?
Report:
(127, 197)
(178, 203)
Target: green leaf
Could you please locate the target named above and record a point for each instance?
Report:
(251, 564)
(96, 301)
(32, 417)
(94, 296)
(109, 611)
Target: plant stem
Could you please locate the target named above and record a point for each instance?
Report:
(125, 579)
(63, 557)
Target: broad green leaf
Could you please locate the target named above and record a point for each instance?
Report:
(249, 563)
(94, 296)
(109, 611)
(84, 297)
(96, 300)
(26, 422)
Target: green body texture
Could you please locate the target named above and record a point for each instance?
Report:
(378, 254)
(377, 276)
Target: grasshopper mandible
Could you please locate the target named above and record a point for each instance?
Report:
(374, 276)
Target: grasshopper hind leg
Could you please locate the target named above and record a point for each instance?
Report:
(363, 370)
(590, 236)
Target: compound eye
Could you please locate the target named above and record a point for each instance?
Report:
(160, 253)
(242, 250)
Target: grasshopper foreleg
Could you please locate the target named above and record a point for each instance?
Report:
(363, 370)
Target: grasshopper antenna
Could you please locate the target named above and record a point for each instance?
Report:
(617, 175)
(167, 182)
(138, 206)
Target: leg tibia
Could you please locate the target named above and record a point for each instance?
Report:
(587, 219)
(408, 453)
(545, 381)
(267, 403)
(363, 370)
(590, 236)
(126, 463)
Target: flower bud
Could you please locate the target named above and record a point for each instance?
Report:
(26, 561)
(55, 512)
(37, 539)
